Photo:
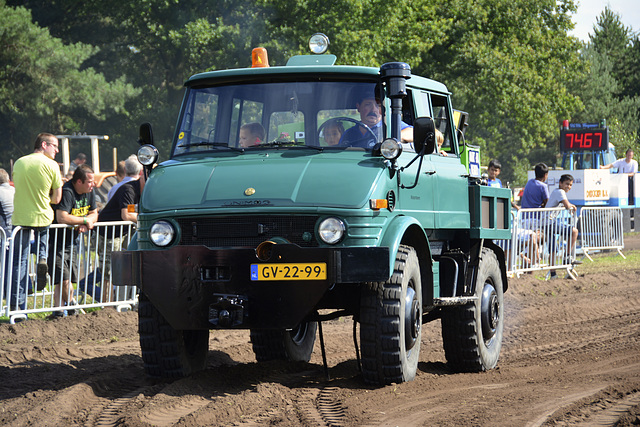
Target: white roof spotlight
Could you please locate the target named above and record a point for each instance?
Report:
(319, 43)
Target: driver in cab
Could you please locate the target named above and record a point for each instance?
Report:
(370, 111)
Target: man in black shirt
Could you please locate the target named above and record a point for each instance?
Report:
(77, 208)
(121, 207)
(117, 209)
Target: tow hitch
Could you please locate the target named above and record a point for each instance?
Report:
(227, 311)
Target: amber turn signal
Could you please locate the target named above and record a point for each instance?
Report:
(377, 204)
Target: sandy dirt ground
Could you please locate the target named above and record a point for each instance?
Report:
(571, 356)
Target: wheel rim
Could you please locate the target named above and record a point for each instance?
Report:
(490, 312)
(412, 321)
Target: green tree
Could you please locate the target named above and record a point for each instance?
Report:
(157, 45)
(509, 64)
(630, 69)
(42, 87)
(608, 90)
(611, 38)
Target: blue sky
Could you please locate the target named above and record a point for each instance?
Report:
(589, 10)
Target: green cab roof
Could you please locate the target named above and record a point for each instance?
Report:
(336, 71)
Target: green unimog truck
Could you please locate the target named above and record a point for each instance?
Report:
(384, 224)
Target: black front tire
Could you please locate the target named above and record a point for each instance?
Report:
(167, 352)
(472, 334)
(295, 345)
(391, 323)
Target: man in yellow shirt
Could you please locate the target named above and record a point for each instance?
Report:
(38, 184)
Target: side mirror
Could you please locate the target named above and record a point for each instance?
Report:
(146, 134)
(424, 135)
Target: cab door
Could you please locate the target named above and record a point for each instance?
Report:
(417, 202)
(451, 197)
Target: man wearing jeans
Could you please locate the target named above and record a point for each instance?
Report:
(38, 184)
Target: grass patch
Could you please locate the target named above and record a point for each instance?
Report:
(44, 301)
(610, 261)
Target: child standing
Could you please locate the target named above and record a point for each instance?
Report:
(493, 171)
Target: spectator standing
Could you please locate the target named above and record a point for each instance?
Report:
(38, 184)
(80, 159)
(493, 171)
(120, 176)
(6, 210)
(132, 168)
(77, 208)
(120, 173)
(7, 193)
(626, 165)
(118, 209)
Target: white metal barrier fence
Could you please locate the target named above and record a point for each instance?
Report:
(542, 239)
(601, 228)
(78, 270)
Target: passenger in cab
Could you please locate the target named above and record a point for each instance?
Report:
(332, 132)
(251, 134)
(440, 141)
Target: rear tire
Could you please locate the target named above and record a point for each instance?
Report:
(472, 334)
(167, 352)
(295, 345)
(391, 323)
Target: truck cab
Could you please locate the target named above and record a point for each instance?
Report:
(289, 226)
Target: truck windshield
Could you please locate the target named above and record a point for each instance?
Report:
(281, 114)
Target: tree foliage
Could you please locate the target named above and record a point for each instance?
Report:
(610, 89)
(42, 87)
(510, 63)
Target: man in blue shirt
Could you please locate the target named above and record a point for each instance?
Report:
(370, 111)
(536, 192)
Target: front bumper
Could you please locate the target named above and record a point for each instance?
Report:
(195, 287)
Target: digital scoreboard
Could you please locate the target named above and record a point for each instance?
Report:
(586, 138)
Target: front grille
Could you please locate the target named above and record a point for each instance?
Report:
(247, 231)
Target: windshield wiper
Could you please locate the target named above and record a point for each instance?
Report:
(288, 144)
(313, 147)
(210, 144)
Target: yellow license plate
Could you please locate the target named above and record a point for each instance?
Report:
(294, 271)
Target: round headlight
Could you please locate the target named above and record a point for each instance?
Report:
(390, 149)
(331, 230)
(147, 154)
(161, 233)
(319, 43)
